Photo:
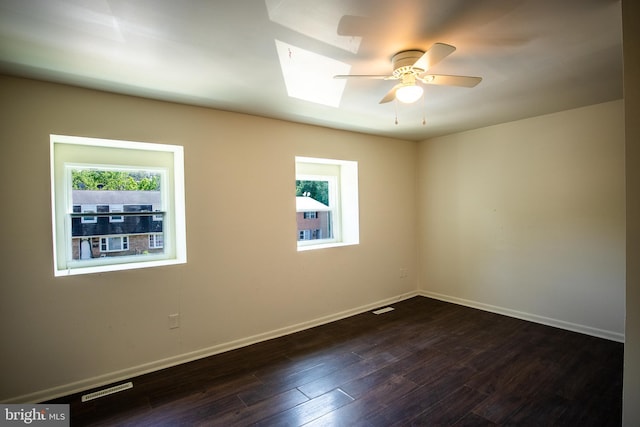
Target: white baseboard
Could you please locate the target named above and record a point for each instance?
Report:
(125, 374)
(587, 330)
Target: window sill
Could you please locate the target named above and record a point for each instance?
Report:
(116, 267)
(312, 247)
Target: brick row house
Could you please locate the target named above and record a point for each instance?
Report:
(313, 219)
(116, 235)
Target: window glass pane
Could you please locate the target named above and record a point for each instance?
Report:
(156, 241)
(105, 191)
(116, 208)
(314, 210)
(88, 209)
(115, 243)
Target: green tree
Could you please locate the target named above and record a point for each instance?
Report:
(318, 190)
(149, 183)
(94, 179)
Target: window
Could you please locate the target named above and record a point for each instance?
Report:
(135, 192)
(155, 241)
(157, 217)
(114, 244)
(116, 218)
(304, 235)
(88, 209)
(326, 203)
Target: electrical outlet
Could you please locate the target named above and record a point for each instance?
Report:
(404, 273)
(174, 321)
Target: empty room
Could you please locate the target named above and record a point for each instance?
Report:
(279, 212)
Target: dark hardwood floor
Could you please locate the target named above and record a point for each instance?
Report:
(426, 363)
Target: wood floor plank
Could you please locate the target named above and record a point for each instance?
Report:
(426, 396)
(249, 415)
(347, 374)
(359, 413)
(297, 372)
(382, 379)
(449, 410)
(367, 410)
(473, 420)
(186, 411)
(309, 410)
(544, 409)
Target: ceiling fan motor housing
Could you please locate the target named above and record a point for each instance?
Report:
(403, 63)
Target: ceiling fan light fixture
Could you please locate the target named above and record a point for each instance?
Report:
(409, 93)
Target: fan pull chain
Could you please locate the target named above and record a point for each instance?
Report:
(424, 111)
(396, 104)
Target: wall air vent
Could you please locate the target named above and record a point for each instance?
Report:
(383, 310)
(107, 391)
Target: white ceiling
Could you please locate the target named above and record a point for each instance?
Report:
(535, 56)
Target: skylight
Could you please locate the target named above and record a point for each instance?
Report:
(309, 76)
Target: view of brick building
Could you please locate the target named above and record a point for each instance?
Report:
(109, 234)
(313, 219)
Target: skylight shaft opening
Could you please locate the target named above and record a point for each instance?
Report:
(309, 76)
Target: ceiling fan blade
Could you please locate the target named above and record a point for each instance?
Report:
(391, 95)
(435, 54)
(363, 76)
(440, 79)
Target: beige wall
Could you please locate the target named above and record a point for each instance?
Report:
(528, 218)
(631, 45)
(71, 332)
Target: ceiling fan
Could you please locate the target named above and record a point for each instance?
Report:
(410, 67)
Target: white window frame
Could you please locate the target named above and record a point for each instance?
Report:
(156, 217)
(342, 176)
(89, 209)
(124, 243)
(304, 234)
(70, 151)
(116, 208)
(153, 238)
